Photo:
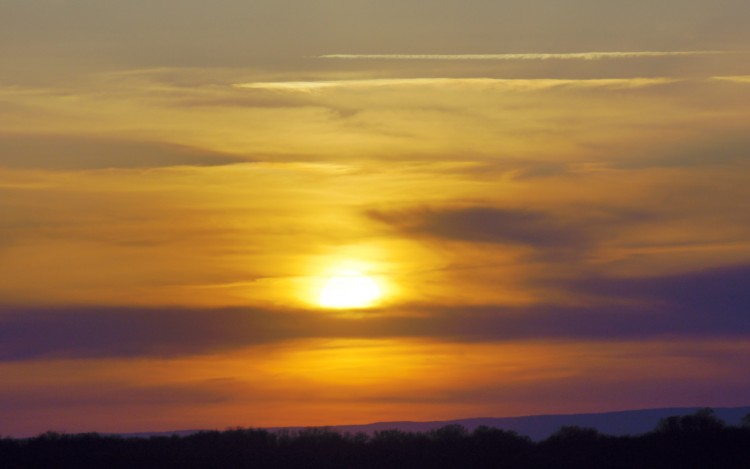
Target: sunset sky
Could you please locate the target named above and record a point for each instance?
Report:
(549, 200)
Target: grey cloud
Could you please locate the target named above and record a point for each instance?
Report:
(57, 152)
(255, 100)
(541, 170)
(59, 332)
(722, 293)
(552, 235)
(122, 332)
(528, 56)
(111, 393)
(483, 224)
(724, 150)
(699, 304)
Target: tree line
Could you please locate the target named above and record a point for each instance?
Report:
(700, 440)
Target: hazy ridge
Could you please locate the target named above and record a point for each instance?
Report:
(538, 427)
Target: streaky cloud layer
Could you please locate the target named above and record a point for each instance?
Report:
(532, 56)
(538, 84)
(709, 303)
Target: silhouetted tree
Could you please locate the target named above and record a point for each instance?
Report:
(574, 433)
(450, 433)
(493, 447)
(702, 421)
(699, 440)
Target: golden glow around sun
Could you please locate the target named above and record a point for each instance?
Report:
(350, 289)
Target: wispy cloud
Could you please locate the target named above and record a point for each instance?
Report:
(735, 79)
(544, 83)
(550, 235)
(529, 56)
(81, 152)
(307, 86)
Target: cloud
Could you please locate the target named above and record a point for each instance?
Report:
(110, 394)
(725, 148)
(743, 79)
(58, 152)
(702, 303)
(712, 303)
(500, 83)
(86, 331)
(702, 295)
(530, 56)
(121, 332)
(309, 86)
(484, 224)
(549, 234)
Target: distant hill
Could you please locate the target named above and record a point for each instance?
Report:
(538, 427)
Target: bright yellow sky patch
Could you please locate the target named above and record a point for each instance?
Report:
(348, 290)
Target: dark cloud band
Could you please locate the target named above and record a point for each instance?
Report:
(701, 304)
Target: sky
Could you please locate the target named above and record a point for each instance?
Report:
(550, 199)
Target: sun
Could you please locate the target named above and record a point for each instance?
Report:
(349, 289)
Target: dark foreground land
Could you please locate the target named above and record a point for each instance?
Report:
(695, 441)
